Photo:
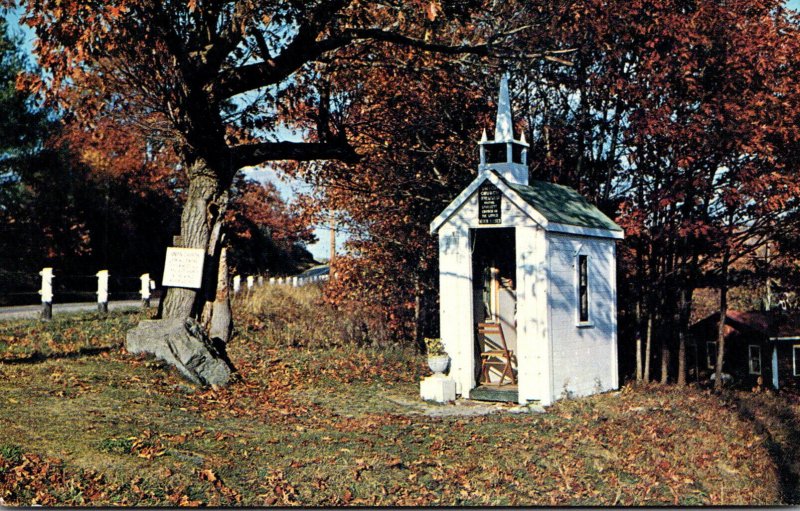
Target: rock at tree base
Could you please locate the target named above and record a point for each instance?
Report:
(184, 344)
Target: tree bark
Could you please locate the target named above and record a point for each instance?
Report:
(647, 347)
(418, 339)
(200, 219)
(681, 359)
(664, 340)
(723, 313)
(684, 310)
(664, 359)
(221, 320)
(638, 341)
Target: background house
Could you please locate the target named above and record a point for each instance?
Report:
(757, 344)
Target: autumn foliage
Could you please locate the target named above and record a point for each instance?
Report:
(678, 119)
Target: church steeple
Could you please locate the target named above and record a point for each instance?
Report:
(507, 156)
(504, 126)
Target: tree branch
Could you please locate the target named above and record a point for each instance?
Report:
(301, 50)
(305, 48)
(254, 154)
(218, 48)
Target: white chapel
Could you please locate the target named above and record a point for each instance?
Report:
(528, 284)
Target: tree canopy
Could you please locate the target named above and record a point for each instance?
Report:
(218, 79)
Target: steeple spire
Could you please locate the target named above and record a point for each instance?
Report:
(505, 155)
(504, 127)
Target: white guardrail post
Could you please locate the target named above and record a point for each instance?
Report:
(47, 293)
(145, 290)
(102, 291)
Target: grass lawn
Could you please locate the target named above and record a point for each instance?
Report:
(84, 423)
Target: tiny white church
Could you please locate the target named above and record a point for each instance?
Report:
(527, 274)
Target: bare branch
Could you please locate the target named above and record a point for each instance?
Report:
(305, 48)
(254, 154)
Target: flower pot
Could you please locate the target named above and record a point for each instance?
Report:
(438, 363)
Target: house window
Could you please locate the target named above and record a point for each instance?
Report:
(711, 354)
(583, 289)
(795, 357)
(754, 357)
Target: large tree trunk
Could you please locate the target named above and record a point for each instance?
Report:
(201, 227)
(196, 311)
(681, 359)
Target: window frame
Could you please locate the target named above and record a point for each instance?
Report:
(795, 365)
(750, 358)
(582, 290)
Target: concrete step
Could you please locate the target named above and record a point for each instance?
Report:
(503, 394)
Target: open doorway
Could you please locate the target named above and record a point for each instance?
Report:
(494, 302)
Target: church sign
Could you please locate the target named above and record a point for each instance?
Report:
(489, 204)
(184, 267)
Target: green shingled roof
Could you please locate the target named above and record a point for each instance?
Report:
(563, 205)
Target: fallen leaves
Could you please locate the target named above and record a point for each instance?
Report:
(291, 434)
(208, 475)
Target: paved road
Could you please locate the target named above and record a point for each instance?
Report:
(33, 311)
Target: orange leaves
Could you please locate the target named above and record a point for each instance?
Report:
(208, 475)
(432, 10)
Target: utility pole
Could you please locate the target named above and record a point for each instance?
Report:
(333, 242)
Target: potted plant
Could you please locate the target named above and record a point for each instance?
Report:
(437, 357)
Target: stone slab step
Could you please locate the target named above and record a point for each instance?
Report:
(505, 394)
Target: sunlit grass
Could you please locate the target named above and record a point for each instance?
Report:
(323, 422)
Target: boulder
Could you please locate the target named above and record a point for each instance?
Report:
(184, 344)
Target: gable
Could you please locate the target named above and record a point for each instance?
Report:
(465, 208)
(553, 207)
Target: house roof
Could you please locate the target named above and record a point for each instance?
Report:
(555, 207)
(316, 271)
(563, 205)
(773, 325)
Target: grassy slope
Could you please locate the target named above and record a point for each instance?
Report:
(320, 424)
